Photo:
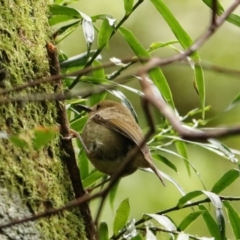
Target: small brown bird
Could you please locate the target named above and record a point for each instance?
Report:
(110, 135)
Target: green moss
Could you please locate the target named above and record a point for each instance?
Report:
(39, 177)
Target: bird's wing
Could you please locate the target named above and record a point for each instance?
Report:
(122, 127)
(130, 132)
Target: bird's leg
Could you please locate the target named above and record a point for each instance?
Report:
(75, 134)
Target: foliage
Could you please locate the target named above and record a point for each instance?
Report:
(70, 19)
(65, 20)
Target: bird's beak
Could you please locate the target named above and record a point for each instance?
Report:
(84, 108)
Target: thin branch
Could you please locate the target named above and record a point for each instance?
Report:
(214, 11)
(159, 103)
(50, 212)
(185, 133)
(128, 61)
(215, 68)
(75, 73)
(68, 153)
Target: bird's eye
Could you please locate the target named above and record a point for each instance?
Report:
(98, 106)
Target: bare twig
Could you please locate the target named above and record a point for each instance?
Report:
(50, 212)
(76, 73)
(214, 11)
(128, 61)
(185, 133)
(215, 68)
(159, 103)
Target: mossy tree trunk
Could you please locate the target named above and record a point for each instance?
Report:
(31, 181)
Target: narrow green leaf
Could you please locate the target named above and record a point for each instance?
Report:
(98, 74)
(128, 4)
(83, 164)
(226, 180)
(103, 231)
(234, 19)
(65, 2)
(155, 74)
(113, 193)
(63, 32)
(131, 89)
(210, 223)
(220, 8)
(78, 123)
(165, 161)
(234, 219)
(189, 219)
(156, 45)
(221, 223)
(185, 40)
(176, 28)
(200, 84)
(164, 221)
(57, 19)
(68, 11)
(95, 98)
(56, 9)
(224, 149)
(235, 101)
(74, 102)
(188, 197)
(217, 203)
(104, 33)
(121, 217)
(95, 80)
(77, 60)
(92, 178)
(182, 150)
(101, 17)
(179, 156)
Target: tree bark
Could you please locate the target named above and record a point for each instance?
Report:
(32, 180)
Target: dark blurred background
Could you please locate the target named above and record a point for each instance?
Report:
(145, 192)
